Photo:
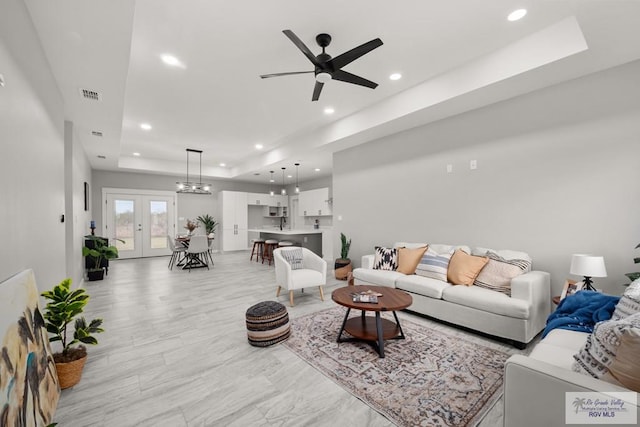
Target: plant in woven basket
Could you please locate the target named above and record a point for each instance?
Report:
(63, 307)
(342, 265)
(636, 275)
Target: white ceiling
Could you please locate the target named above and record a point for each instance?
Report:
(454, 56)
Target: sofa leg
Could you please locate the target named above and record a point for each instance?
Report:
(519, 345)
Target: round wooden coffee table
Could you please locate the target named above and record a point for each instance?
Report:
(373, 330)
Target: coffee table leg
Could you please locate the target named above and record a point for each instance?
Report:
(401, 336)
(344, 322)
(380, 336)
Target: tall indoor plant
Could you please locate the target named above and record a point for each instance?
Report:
(635, 275)
(100, 252)
(343, 264)
(209, 223)
(63, 307)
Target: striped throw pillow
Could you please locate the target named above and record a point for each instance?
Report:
(498, 272)
(434, 265)
(294, 257)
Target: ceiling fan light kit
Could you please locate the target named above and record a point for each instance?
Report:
(327, 68)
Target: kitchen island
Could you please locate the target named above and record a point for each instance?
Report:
(306, 238)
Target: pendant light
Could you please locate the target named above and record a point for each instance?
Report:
(193, 187)
(297, 187)
(284, 190)
(271, 193)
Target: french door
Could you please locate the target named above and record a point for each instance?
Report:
(141, 221)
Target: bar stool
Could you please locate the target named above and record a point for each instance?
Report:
(284, 243)
(258, 248)
(269, 246)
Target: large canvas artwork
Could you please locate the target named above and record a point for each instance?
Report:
(29, 389)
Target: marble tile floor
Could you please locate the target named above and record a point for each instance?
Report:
(175, 353)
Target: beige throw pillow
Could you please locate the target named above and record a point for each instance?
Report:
(625, 368)
(464, 268)
(408, 259)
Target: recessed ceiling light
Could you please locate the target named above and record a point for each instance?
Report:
(172, 61)
(317, 169)
(272, 180)
(517, 14)
(136, 154)
(145, 126)
(329, 110)
(223, 164)
(395, 76)
(259, 146)
(289, 176)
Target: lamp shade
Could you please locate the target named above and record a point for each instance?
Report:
(588, 266)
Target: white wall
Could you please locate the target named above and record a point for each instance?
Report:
(32, 160)
(557, 174)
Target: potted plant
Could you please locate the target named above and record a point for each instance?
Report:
(63, 307)
(209, 224)
(100, 252)
(636, 275)
(343, 264)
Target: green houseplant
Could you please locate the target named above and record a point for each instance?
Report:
(636, 275)
(208, 222)
(63, 307)
(100, 252)
(343, 264)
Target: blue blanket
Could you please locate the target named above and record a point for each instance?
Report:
(581, 311)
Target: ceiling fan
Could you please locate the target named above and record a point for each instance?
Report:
(327, 68)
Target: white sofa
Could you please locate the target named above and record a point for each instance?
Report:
(536, 385)
(518, 318)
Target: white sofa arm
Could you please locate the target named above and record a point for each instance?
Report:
(534, 392)
(535, 288)
(367, 261)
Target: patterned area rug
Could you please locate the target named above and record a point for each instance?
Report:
(429, 379)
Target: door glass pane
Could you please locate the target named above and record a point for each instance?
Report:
(158, 223)
(125, 226)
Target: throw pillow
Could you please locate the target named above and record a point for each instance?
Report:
(434, 265)
(385, 259)
(464, 268)
(629, 303)
(408, 259)
(294, 257)
(498, 272)
(625, 368)
(600, 349)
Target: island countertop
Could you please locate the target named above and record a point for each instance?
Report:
(286, 232)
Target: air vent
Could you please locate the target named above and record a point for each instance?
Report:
(91, 94)
(102, 157)
(96, 133)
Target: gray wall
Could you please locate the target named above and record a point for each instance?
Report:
(32, 193)
(557, 174)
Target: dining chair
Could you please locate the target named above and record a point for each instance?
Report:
(176, 252)
(210, 250)
(197, 252)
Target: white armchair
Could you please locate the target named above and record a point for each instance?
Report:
(312, 273)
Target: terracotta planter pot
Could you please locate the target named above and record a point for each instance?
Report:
(69, 373)
(343, 268)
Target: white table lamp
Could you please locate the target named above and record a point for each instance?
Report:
(588, 266)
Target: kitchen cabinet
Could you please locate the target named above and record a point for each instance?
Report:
(234, 219)
(260, 199)
(314, 202)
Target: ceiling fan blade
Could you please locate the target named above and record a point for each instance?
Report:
(267, 76)
(343, 76)
(302, 47)
(316, 91)
(353, 54)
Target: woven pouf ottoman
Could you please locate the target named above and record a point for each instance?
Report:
(267, 323)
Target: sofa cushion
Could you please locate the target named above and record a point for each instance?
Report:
(629, 302)
(558, 347)
(386, 258)
(625, 368)
(486, 300)
(498, 272)
(409, 245)
(409, 258)
(422, 285)
(443, 249)
(434, 265)
(377, 277)
(464, 268)
(601, 346)
(507, 254)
